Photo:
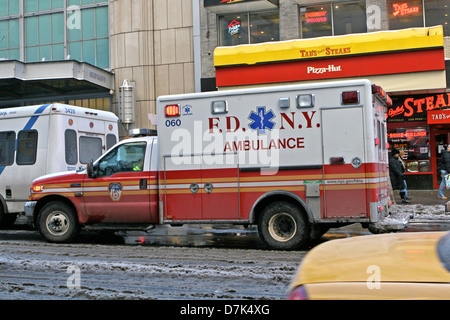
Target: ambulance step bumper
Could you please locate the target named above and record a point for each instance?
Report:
(391, 223)
(29, 211)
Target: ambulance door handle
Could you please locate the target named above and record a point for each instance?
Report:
(194, 188)
(143, 184)
(208, 187)
(337, 160)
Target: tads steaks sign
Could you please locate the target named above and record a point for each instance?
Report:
(415, 108)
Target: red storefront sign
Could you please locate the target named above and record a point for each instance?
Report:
(438, 117)
(418, 107)
(403, 9)
(340, 67)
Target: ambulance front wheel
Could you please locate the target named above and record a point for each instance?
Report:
(281, 226)
(57, 222)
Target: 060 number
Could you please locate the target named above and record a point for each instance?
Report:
(173, 123)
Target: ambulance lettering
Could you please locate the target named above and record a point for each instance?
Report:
(290, 120)
(260, 120)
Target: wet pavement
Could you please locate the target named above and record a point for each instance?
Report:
(232, 236)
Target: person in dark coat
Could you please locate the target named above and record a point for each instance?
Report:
(397, 174)
(445, 169)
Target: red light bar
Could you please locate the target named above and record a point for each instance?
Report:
(377, 90)
(350, 97)
(172, 110)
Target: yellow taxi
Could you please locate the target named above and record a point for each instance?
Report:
(386, 266)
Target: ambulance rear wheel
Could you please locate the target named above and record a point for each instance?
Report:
(57, 222)
(281, 226)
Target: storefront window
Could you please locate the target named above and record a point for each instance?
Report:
(244, 28)
(337, 18)
(233, 29)
(349, 17)
(405, 14)
(437, 12)
(416, 144)
(316, 21)
(264, 27)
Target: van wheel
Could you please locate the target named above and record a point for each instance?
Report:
(281, 226)
(6, 219)
(57, 222)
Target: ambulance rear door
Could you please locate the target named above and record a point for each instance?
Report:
(343, 162)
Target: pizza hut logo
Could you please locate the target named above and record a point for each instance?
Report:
(234, 27)
(115, 191)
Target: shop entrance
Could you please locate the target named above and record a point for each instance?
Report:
(439, 139)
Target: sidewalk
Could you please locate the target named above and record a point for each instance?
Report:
(424, 197)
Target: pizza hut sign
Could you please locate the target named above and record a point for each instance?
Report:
(234, 27)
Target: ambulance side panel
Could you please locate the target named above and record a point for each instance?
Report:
(230, 153)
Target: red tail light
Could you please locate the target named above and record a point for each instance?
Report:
(350, 97)
(298, 293)
(382, 94)
(172, 110)
(377, 141)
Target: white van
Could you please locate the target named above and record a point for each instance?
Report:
(42, 139)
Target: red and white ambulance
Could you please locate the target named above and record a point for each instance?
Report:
(294, 160)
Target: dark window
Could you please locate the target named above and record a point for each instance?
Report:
(124, 158)
(349, 17)
(7, 147)
(90, 149)
(26, 147)
(244, 28)
(437, 12)
(405, 14)
(111, 140)
(316, 21)
(70, 138)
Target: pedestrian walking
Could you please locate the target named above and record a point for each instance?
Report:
(397, 174)
(400, 158)
(445, 169)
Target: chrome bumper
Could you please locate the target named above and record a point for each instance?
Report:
(29, 211)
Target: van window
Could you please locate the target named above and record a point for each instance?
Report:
(70, 139)
(7, 146)
(110, 141)
(90, 148)
(124, 158)
(26, 147)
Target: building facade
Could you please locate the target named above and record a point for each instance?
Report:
(417, 122)
(226, 23)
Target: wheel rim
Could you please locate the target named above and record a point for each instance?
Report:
(282, 227)
(57, 223)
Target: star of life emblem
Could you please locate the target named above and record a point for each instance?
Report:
(262, 120)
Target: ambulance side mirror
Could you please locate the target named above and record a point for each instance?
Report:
(90, 170)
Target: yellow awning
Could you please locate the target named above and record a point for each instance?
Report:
(364, 43)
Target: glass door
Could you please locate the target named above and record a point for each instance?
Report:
(441, 139)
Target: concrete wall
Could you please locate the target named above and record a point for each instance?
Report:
(151, 45)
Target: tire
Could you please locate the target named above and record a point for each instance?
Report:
(7, 220)
(281, 226)
(57, 222)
